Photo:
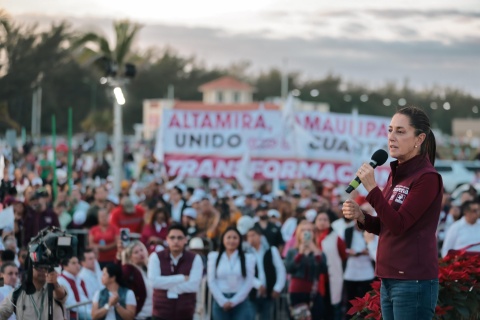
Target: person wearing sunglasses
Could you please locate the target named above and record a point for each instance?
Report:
(175, 275)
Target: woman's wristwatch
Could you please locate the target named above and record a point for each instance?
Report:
(106, 306)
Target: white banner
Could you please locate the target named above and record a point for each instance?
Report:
(321, 146)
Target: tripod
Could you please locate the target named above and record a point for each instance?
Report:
(50, 296)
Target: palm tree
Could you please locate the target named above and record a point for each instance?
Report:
(113, 60)
(102, 53)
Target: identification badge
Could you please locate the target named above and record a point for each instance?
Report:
(232, 281)
(172, 295)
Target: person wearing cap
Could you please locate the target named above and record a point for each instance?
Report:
(111, 202)
(197, 246)
(268, 229)
(250, 203)
(189, 221)
(274, 216)
(43, 215)
(79, 208)
(128, 215)
(270, 274)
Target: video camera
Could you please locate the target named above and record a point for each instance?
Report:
(51, 246)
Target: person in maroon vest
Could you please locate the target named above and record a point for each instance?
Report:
(175, 275)
(408, 210)
(76, 289)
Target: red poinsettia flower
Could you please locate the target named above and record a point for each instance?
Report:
(376, 285)
(358, 304)
(440, 311)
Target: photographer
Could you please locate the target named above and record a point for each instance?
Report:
(30, 301)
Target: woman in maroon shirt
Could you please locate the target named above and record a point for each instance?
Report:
(155, 232)
(408, 210)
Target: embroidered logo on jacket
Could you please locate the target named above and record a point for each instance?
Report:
(399, 194)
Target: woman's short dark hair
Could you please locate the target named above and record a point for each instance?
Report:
(421, 123)
(115, 270)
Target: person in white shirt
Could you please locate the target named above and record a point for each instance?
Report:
(90, 273)
(175, 275)
(359, 271)
(176, 204)
(114, 301)
(230, 275)
(76, 288)
(464, 233)
(267, 285)
(9, 272)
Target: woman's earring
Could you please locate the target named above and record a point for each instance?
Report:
(415, 146)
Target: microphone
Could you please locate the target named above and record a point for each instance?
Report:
(378, 158)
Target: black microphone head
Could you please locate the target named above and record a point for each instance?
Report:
(379, 157)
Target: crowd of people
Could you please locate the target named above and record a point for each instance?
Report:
(247, 249)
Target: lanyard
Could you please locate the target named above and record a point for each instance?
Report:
(38, 312)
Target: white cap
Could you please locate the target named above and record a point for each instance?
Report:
(190, 212)
(194, 199)
(61, 176)
(182, 187)
(268, 198)
(240, 201)
(113, 199)
(244, 224)
(311, 214)
(199, 193)
(213, 185)
(303, 203)
(233, 193)
(196, 243)
(37, 182)
(273, 213)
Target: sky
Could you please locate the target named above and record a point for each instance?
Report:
(368, 42)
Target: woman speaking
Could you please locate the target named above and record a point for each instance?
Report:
(408, 210)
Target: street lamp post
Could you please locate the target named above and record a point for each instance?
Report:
(119, 101)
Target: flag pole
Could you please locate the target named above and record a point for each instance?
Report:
(70, 153)
(54, 164)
